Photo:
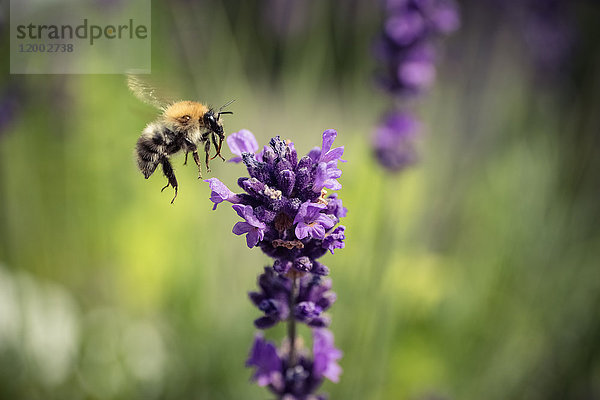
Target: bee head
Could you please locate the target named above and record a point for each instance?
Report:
(213, 123)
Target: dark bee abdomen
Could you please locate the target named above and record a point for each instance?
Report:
(155, 144)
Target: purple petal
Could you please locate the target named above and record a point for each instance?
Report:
(263, 356)
(220, 192)
(335, 240)
(317, 231)
(333, 155)
(325, 176)
(313, 210)
(242, 142)
(254, 236)
(247, 212)
(325, 355)
(324, 220)
(242, 227)
(251, 218)
(314, 154)
(308, 211)
(239, 209)
(328, 138)
(327, 155)
(302, 230)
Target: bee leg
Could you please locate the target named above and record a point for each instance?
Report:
(207, 151)
(185, 161)
(197, 160)
(170, 174)
(218, 147)
(221, 145)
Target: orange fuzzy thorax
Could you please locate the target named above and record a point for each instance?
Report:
(194, 109)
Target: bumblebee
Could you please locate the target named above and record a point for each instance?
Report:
(182, 126)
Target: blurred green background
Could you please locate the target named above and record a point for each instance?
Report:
(472, 275)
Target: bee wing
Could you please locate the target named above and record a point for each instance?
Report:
(146, 92)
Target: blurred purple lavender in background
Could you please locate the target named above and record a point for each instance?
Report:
(546, 27)
(548, 32)
(395, 140)
(406, 47)
(406, 55)
(286, 17)
(3, 18)
(287, 213)
(9, 106)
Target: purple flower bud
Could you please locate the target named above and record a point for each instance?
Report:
(252, 186)
(270, 307)
(286, 180)
(307, 310)
(319, 269)
(314, 296)
(303, 264)
(319, 322)
(256, 169)
(282, 266)
(327, 299)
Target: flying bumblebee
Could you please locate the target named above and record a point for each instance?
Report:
(182, 126)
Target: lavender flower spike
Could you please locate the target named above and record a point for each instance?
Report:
(288, 214)
(406, 54)
(241, 142)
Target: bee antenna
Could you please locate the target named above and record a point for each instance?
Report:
(225, 105)
(224, 112)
